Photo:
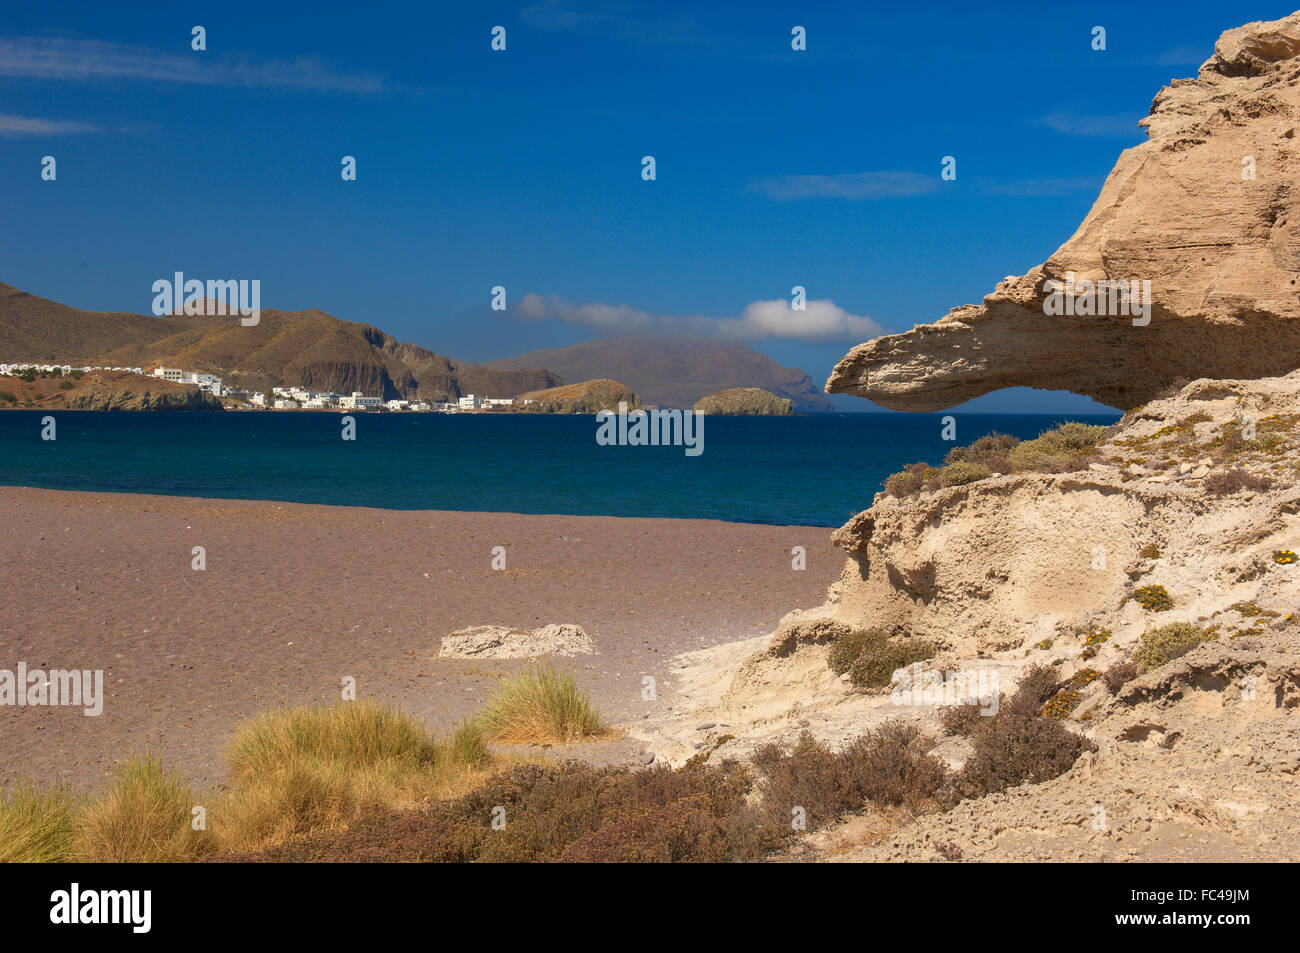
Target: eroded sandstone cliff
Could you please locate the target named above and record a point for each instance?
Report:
(1206, 210)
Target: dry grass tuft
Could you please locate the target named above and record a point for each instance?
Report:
(540, 705)
(35, 824)
(144, 817)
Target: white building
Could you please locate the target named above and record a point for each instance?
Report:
(359, 402)
(168, 373)
(283, 404)
(469, 402)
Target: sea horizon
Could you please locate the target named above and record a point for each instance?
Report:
(496, 463)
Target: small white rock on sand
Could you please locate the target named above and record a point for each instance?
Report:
(499, 641)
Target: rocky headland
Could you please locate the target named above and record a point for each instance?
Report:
(1142, 576)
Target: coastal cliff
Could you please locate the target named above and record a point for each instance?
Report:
(1145, 573)
(1205, 209)
(104, 390)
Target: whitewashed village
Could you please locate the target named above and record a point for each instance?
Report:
(278, 398)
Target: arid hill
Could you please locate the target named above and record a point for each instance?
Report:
(589, 397)
(1206, 210)
(676, 373)
(307, 348)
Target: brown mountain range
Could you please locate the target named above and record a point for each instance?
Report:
(316, 350)
(306, 348)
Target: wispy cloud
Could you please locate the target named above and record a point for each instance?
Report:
(652, 25)
(1077, 124)
(12, 127)
(855, 186)
(89, 60)
(822, 320)
(1051, 185)
(1181, 56)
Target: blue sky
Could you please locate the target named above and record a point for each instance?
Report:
(522, 169)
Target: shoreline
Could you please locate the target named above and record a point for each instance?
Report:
(295, 596)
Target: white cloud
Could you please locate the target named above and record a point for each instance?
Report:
(822, 320)
(857, 186)
(89, 60)
(13, 126)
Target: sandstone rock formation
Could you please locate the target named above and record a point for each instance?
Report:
(1181, 210)
(745, 402)
(1196, 758)
(499, 641)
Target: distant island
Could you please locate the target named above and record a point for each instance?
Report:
(745, 401)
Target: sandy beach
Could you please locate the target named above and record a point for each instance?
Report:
(296, 597)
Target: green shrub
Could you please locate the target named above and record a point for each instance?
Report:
(1154, 598)
(1167, 643)
(990, 452)
(963, 472)
(912, 479)
(1066, 447)
(7, 398)
(846, 650)
(878, 657)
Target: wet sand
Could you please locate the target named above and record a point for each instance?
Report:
(295, 597)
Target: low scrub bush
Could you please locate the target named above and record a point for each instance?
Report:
(912, 479)
(1054, 451)
(1067, 447)
(890, 766)
(1153, 598)
(963, 472)
(1019, 744)
(1119, 675)
(1162, 645)
(846, 650)
(871, 657)
(990, 452)
(1234, 481)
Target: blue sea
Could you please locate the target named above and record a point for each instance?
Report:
(814, 470)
